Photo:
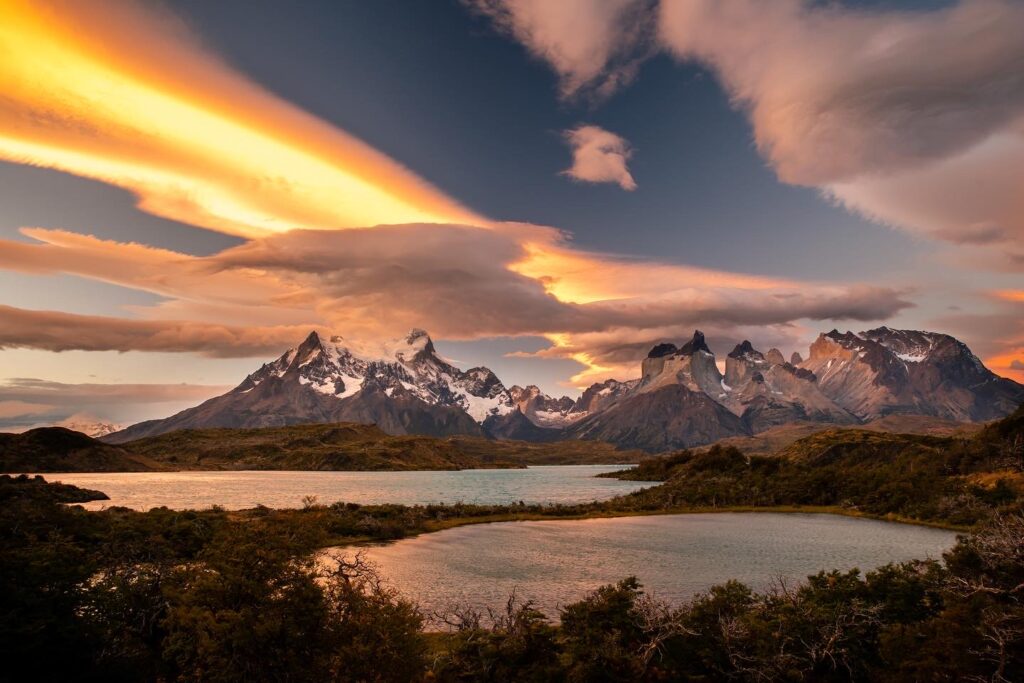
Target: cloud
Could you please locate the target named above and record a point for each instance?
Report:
(60, 401)
(915, 119)
(59, 331)
(460, 282)
(344, 239)
(11, 409)
(594, 46)
(124, 94)
(52, 393)
(599, 156)
(996, 327)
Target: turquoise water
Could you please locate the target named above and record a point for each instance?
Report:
(239, 490)
(674, 556)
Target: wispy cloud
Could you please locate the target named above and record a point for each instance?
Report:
(126, 95)
(599, 156)
(60, 331)
(998, 325)
(61, 393)
(218, 152)
(381, 281)
(30, 402)
(14, 409)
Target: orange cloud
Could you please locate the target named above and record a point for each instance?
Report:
(59, 331)
(108, 91)
(585, 277)
(1014, 295)
(10, 409)
(125, 95)
(1008, 364)
(458, 281)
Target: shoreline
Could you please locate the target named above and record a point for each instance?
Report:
(455, 522)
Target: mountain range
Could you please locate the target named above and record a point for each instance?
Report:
(681, 398)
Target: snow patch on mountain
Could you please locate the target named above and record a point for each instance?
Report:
(407, 366)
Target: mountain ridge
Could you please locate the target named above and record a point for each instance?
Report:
(681, 399)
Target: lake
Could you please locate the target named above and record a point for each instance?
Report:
(239, 490)
(674, 556)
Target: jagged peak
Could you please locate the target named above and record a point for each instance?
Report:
(796, 358)
(694, 345)
(847, 338)
(420, 341)
(310, 346)
(745, 349)
(775, 357)
(311, 339)
(664, 349)
(883, 333)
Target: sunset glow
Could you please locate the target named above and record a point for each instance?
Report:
(188, 153)
(581, 277)
(592, 234)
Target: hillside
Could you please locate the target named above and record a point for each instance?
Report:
(352, 446)
(56, 449)
(777, 438)
(955, 480)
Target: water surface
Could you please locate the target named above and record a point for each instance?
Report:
(239, 490)
(674, 556)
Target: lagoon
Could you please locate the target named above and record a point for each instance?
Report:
(674, 556)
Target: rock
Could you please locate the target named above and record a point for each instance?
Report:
(668, 418)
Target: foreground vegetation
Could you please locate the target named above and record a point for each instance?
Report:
(223, 596)
(955, 481)
(217, 596)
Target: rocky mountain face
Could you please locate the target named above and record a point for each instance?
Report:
(692, 365)
(670, 417)
(766, 391)
(883, 371)
(404, 387)
(681, 398)
(757, 391)
(89, 426)
(541, 409)
(599, 396)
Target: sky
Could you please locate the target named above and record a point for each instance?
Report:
(187, 188)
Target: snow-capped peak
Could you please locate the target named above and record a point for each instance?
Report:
(89, 425)
(408, 366)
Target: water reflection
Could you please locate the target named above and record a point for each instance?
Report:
(239, 490)
(674, 556)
